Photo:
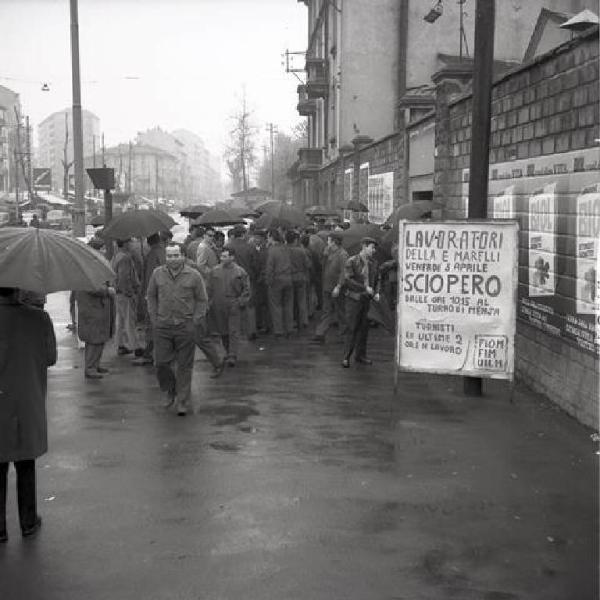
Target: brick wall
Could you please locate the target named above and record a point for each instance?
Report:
(545, 120)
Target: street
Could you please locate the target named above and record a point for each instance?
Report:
(297, 479)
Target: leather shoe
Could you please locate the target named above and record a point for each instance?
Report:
(231, 362)
(122, 351)
(92, 375)
(363, 360)
(346, 363)
(102, 369)
(218, 370)
(181, 411)
(33, 529)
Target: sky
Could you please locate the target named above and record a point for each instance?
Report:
(172, 63)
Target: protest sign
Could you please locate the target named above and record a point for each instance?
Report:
(457, 297)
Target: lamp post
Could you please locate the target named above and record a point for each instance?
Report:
(79, 212)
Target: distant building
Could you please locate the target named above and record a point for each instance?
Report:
(9, 100)
(198, 181)
(52, 133)
(146, 171)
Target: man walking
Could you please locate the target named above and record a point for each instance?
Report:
(27, 349)
(127, 287)
(206, 254)
(177, 305)
(278, 277)
(301, 265)
(360, 281)
(333, 280)
(155, 258)
(229, 294)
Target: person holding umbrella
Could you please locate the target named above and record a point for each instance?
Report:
(127, 288)
(360, 283)
(27, 349)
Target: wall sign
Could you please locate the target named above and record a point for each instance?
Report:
(381, 197)
(457, 297)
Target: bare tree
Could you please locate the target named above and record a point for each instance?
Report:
(240, 155)
(65, 162)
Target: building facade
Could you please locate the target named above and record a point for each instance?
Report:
(147, 172)
(198, 180)
(55, 140)
(9, 102)
(369, 75)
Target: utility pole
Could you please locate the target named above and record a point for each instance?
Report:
(129, 170)
(79, 212)
(271, 128)
(103, 156)
(18, 158)
(156, 181)
(29, 164)
(480, 142)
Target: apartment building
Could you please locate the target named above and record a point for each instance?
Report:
(55, 134)
(372, 68)
(9, 101)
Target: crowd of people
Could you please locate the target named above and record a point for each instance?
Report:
(213, 290)
(166, 300)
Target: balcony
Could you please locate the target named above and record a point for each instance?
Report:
(317, 85)
(306, 106)
(309, 162)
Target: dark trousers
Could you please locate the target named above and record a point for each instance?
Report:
(26, 493)
(205, 343)
(333, 312)
(175, 344)
(281, 305)
(93, 355)
(357, 312)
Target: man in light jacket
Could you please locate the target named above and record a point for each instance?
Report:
(177, 305)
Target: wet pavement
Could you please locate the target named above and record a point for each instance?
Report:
(297, 479)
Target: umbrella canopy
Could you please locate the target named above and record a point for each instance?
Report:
(320, 211)
(218, 218)
(138, 223)
(269, 221)
(97, 221)
(244, 213)
(194, 211)
(356, 206)
(46, 261)
(268, 206)
(352, 236)
(419, 209)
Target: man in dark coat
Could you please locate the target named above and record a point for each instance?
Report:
(95, 326)
(246, 257)
(333, 280)
(155, 258)
(278, 277)
(27, 349)
(229, 293)
(301, 267)
(360, 284)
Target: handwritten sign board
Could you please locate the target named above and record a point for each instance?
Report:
(457, 297)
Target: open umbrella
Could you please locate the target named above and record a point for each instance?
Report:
(420, 209)
(356, 206)
(320, 211)
(249, 213)
(217, 218)
(194, 211)
(46, 261)
(97, 221)
(138, 223)
(268, 206)
(281, 216)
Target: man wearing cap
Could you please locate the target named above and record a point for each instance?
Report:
(333, 281)
(259, 287)
(278, 277)
(360, 283)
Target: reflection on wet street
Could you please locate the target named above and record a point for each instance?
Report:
(296, 478)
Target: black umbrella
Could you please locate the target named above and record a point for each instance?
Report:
(218, 218)
(138, 223)
(194, 211)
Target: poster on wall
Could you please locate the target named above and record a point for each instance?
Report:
(542, 242)
(456, 309)
(381, 197)
(588, 240)
(556, 197)
(503, 205)
(348, 184)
